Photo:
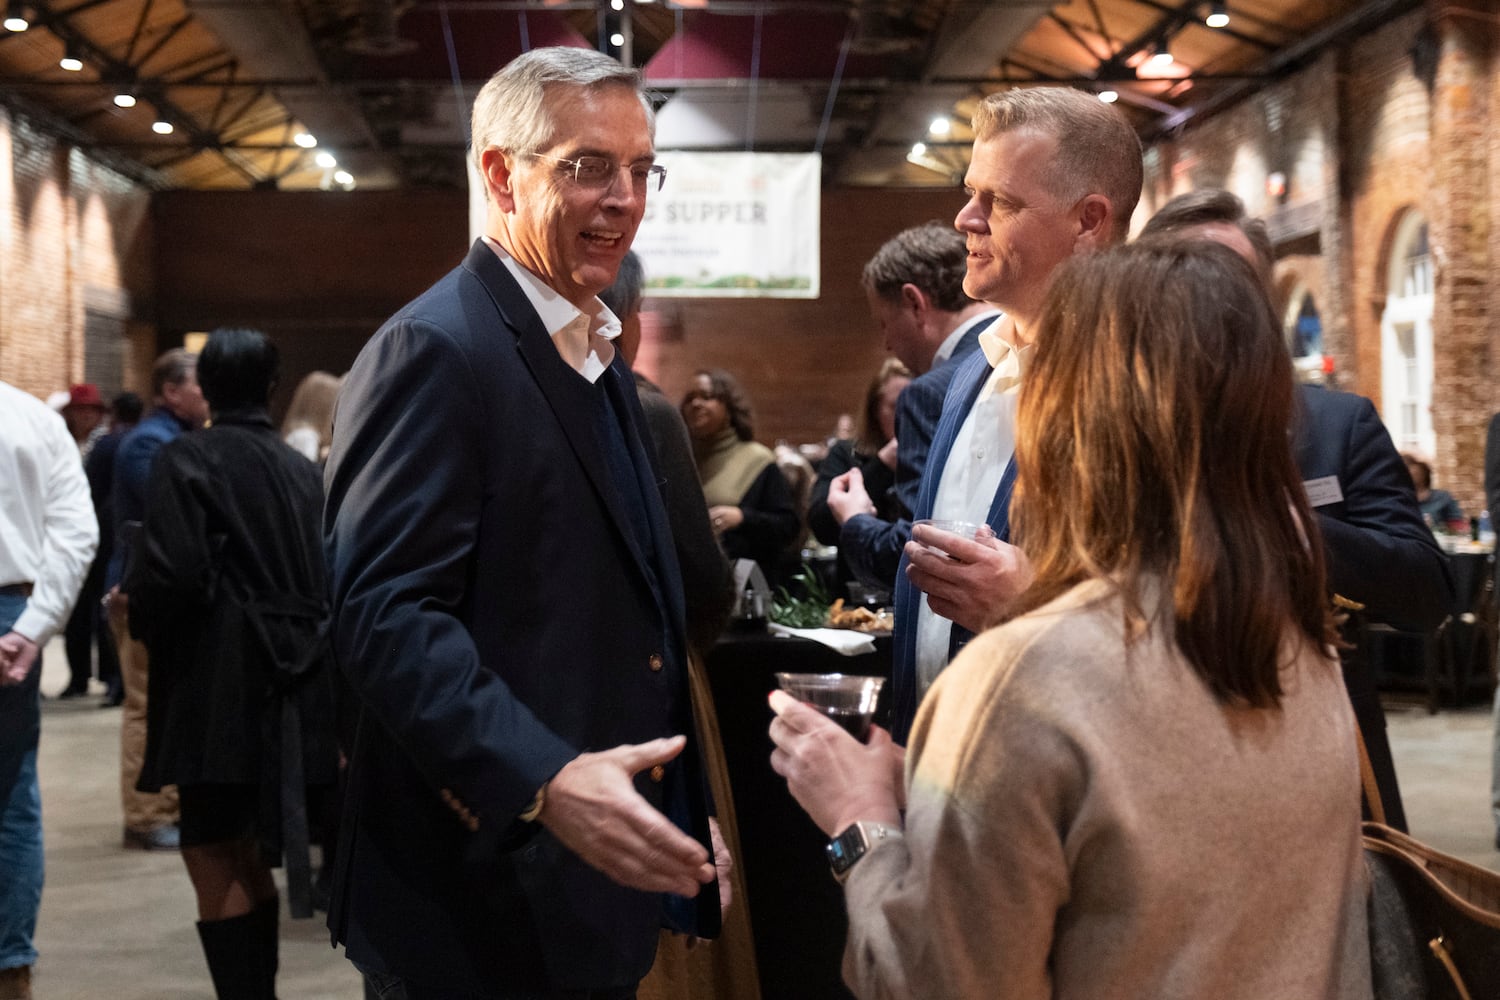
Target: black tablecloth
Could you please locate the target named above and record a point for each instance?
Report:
(796, 908)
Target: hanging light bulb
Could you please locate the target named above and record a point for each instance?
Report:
(941, 125)
(1218, 15)
(1161, 54)
(15, 16)
(162, 127)
(1109, 96)
(305, 139)
(71, 60)
(326, 160)
(124, 99)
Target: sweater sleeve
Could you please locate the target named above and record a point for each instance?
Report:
(966, 903)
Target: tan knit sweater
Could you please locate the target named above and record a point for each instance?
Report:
(1087, 822)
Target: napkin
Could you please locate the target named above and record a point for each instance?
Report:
(841, 640)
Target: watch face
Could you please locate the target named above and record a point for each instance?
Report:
(845, 849)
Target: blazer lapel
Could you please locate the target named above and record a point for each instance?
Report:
(572, 398)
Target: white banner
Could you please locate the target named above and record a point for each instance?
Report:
(733, 225)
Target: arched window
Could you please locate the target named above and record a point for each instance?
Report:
(1406, 339)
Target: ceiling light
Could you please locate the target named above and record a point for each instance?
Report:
(617, 39)
(124, 99)
(1109, 96)
(617, 4)
(1218, 15)
(919, 149)
(305, 140)
(343, 177)
(940, 125)
(15, 16)
(71, 60)
(1161, 55)
(161, 127)
(326, 160)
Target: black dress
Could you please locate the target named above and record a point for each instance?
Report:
(228, 592)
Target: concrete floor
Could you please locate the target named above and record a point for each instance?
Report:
(118, 924)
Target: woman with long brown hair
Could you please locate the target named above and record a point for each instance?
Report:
(1144, 783)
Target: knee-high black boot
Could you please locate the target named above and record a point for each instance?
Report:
(267, 914)
(232, 948)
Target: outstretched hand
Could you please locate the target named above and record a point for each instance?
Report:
(593, 809)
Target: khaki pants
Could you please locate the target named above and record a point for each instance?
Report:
(143, 810)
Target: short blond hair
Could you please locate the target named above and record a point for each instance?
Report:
(1097, 150)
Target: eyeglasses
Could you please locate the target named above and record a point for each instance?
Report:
(600, 171)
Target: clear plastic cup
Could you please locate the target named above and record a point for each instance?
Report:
(964, 529)
(848, 699)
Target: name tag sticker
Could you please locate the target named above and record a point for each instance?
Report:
(1324, 491)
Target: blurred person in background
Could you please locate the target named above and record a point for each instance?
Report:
(1439, 509)
(750, 502)
(1144, 784)
(125, 412)
(227, 592)
(308, 424)
(178, 407)
(48, 538)
(84, 411)
(873, 451)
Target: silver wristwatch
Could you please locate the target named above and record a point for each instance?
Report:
(855, 842)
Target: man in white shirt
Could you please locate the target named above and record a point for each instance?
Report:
(48, 535)
(1054, 172)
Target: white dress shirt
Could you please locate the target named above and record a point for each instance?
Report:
(48, 533)
(583, 339)
(971, 476)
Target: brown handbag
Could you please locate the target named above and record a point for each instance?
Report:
(1434, 919)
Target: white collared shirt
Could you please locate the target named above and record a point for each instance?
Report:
(582, 339)
(48, 533)
(950, 343)
(971, 476)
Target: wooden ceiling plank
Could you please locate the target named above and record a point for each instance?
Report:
(166, 36)
(140, 29)
(1072, 32)
(1184, 13)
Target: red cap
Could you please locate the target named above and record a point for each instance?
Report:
(86, 394)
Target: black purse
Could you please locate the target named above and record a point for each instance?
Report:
(1434, 919)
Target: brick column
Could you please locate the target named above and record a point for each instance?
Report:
(1463, 377)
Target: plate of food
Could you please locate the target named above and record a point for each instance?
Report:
(872, 621)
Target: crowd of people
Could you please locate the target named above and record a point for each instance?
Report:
(464, 591)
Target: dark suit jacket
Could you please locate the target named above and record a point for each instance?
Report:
(497, 611)
(870, 547)
(1380, 552)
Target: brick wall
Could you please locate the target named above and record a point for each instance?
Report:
(75, 255)
(1363, 141)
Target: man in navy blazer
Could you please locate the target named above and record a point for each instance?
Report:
(915, 287)
(526, 805)
(1054, 173)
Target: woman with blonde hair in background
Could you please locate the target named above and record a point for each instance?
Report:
(1144, 784)
(308, 424)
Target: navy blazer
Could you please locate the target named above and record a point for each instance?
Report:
(1379, 550)
(498, 609)
(871, 547)
(962, 393)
